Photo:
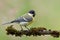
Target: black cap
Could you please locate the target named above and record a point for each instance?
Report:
(32, 12)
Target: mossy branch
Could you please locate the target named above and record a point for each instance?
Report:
(32, 31)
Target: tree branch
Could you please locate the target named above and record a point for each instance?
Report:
(32, 31)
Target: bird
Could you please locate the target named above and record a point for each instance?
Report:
(24, 20)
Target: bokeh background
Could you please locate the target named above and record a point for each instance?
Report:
(47, 15)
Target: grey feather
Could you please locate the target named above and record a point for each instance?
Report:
(21, 19)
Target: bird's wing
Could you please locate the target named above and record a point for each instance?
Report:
(28, 18)
(24, 18)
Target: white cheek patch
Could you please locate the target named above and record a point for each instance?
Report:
(30, 14)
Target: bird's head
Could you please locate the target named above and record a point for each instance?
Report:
(32, 12)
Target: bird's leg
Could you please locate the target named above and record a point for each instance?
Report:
(26, 27)
(21, 28)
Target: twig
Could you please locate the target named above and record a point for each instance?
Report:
(33, 31)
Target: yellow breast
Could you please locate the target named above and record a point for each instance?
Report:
(30, 22)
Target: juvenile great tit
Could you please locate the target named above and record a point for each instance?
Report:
(24, 20)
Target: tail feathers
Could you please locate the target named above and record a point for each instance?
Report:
(6, 23)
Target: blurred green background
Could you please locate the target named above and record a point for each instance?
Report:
(47, 15)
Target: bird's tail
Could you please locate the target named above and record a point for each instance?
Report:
(8, 23)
